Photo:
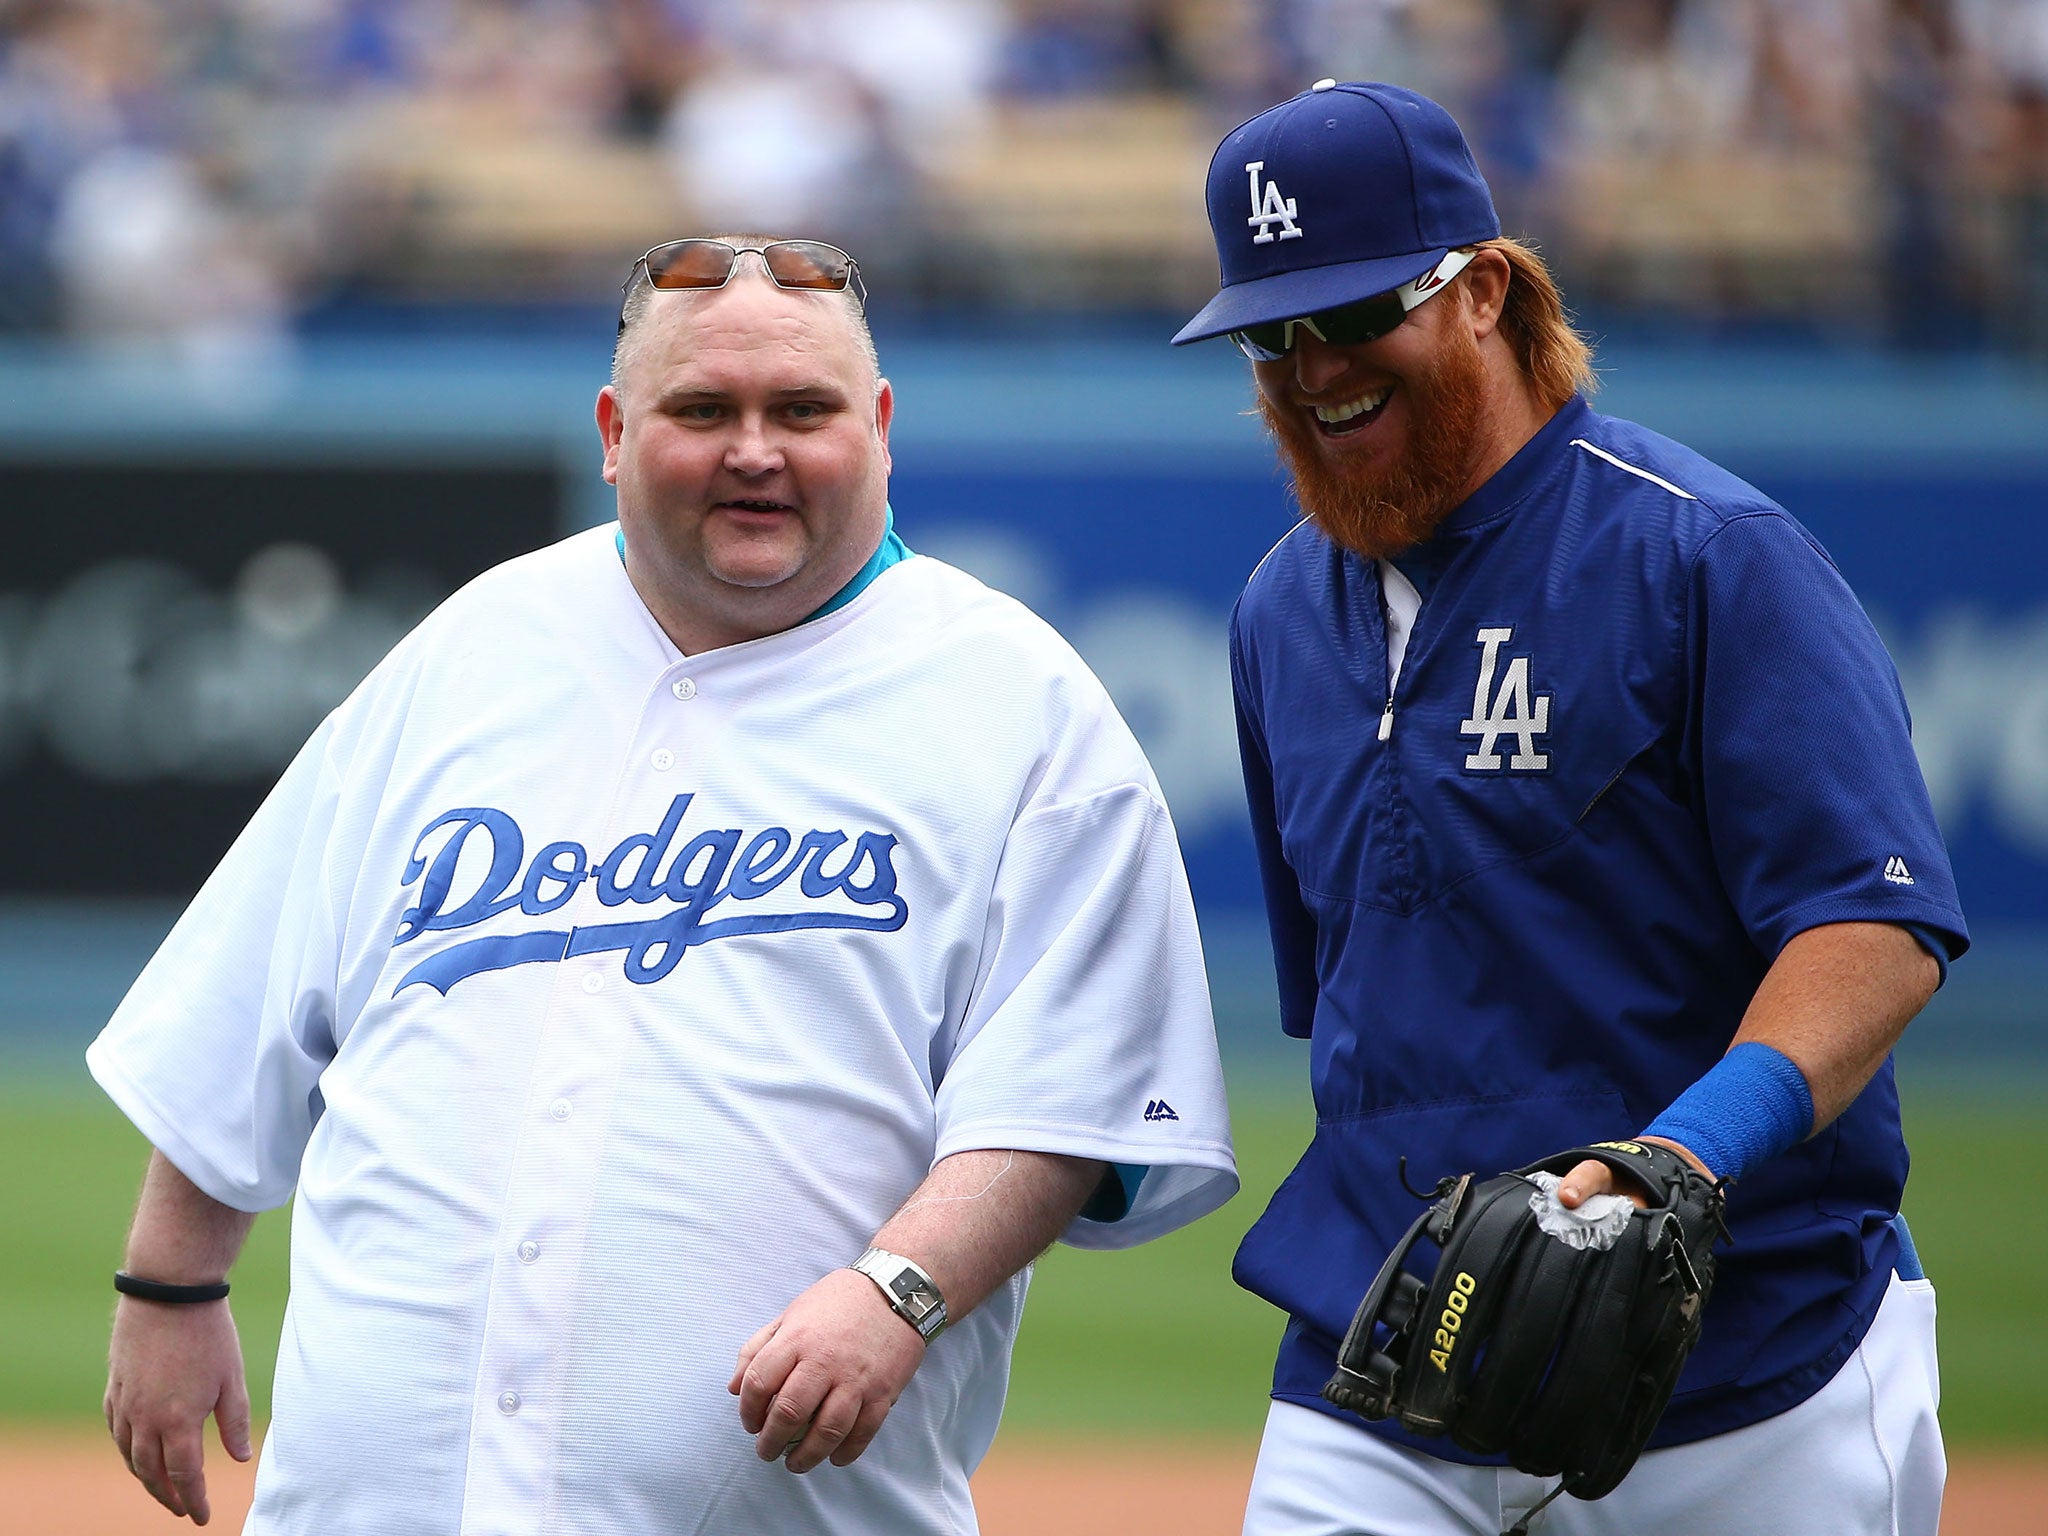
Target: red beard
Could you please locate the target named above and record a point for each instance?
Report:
(1394, 501)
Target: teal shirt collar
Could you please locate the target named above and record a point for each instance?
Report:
(891, 551)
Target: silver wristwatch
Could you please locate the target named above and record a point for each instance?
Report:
(909, 1289)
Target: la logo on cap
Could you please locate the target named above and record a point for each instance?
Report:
(1274, 210)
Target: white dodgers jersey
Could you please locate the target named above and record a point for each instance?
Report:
(594, 1000)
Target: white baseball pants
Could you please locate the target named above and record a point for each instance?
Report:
(1861, 1457)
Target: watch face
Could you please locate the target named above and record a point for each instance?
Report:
(915, 1299)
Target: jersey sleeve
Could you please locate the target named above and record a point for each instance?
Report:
(1815, 804)
(216, 1052)
(1089, 1032)
(1293, 927)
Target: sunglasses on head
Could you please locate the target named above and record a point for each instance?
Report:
(805, 264)
(1350, 325)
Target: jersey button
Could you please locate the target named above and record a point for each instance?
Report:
(559, 1109)
(508, 1402)
(593, 983)
(683, 688)
(529, 1251)
(663, 760)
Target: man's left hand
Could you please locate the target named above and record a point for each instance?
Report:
(816, 1383)
(1592, 1178)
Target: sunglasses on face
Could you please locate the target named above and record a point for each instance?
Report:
(1350, 325)
(805, 264)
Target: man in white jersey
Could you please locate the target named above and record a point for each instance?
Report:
(680, 916)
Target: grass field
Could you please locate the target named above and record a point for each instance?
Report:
(1155, 1342)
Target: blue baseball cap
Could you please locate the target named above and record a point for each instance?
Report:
(1341, 193)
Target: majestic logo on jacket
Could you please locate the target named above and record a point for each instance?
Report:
(1508, 711)
(808, 880)
(1274, 209)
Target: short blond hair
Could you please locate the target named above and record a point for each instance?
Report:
(1555, 356)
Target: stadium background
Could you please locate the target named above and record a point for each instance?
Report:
(303, 306)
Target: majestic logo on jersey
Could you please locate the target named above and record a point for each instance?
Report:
(1508, 711)
(1274, 209)
(1895, 871)
(810, 880)
(1159, 1109)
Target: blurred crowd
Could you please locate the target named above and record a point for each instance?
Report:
(208, 172)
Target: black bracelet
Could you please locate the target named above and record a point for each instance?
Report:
(157, 1290)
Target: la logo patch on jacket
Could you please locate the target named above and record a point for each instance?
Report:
(1507, 710)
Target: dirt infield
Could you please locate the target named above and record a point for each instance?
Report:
(74, 1485)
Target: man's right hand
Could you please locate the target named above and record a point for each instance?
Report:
(171, 1365)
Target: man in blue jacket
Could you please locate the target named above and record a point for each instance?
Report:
(1585, 809)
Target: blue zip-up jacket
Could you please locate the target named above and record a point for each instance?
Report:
(1642, 736)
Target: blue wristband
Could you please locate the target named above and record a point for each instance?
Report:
(1753, 1105)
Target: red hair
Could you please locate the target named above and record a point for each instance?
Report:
(1556, 358)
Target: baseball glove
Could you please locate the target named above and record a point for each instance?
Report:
(1561, 1357)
